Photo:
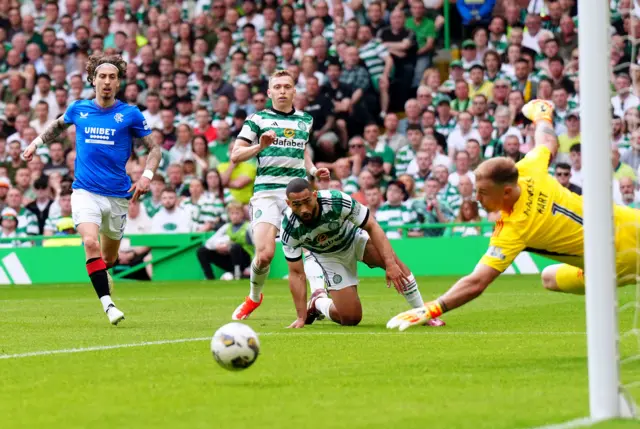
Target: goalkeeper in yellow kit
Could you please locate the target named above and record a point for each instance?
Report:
(537, 215)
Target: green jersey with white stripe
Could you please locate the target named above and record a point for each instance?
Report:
(391, 217)
(283, 161)
(404, 156)
(27, 222)
(373, 55)
(51, 223)
(333, 231)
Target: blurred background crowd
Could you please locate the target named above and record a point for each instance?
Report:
(407, 99)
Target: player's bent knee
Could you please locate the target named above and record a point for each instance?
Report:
(549, 278)
(264, 256)
(350, 320)
(91, 244)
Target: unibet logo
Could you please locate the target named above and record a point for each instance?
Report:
(12, 266)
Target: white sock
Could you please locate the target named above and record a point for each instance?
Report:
(314, 274)
(257, 279)
(323, 305)
(412, 294)
(106, 301)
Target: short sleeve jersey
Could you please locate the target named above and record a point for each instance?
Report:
(104, 140)
(333, 231)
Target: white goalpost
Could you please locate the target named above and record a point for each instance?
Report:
(605, 400)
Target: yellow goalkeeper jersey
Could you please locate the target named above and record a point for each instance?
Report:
(546, 219)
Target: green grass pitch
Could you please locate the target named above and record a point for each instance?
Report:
(515, 358)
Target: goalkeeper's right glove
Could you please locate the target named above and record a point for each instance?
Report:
(416, 316)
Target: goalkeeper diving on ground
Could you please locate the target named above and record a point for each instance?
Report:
(537, 215)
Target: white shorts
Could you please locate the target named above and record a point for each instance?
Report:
(109, 213)
(341, 268)
(267, 209)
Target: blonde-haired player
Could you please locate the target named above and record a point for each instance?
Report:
(278, 138)
(537, 215)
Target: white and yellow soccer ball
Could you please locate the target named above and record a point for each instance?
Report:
(235, 346)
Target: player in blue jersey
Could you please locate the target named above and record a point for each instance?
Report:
(105, 129)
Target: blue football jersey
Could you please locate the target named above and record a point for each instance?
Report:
(104, 141)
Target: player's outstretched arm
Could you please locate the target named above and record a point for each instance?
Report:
(298, 287)
(153, 161)
(381, 242)
(50, 133)
(465, 290)
(545, 135)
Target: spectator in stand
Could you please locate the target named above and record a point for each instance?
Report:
(575, 155)
(430, 145)
(27, 221)
(41, 205)
(373, 200)
(631, 156)
(376, 147)
(458, 138)
(511, 147)
(478, 85)
(365, 181)
(563, 176)
(238, 178)
(171, 218)
(320, 107)
(391, 136)
(425, 33)
(152, 201)
(340, 94)
(424, 161)
(570, 137)
(394, 213)
(231, 248)
(621, 169)
(10, 229)
(57, 161)
(429, 210)
(41, 120)
(23, 183)
(624, 99)
(475, 153)
(523, 80)
(402, 45)
(413, 115)
(407, 153)
(618, 135)
(379, 64)
(462, 162)
(628, 193)
(468, 213)
(14, 161)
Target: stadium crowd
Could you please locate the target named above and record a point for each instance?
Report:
(400, 129)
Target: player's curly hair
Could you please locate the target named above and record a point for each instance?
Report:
(98, 59)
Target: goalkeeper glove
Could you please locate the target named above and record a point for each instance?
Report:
(416, 316)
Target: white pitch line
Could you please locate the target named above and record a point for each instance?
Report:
(292, 333)
(571, 424)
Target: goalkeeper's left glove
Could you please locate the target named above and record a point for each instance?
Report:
(416, 316)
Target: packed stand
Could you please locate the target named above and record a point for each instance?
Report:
(400, 128)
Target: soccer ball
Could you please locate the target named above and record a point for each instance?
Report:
(235, 346)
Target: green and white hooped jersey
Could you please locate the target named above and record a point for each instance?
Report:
(340, 218)
(284, 159)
